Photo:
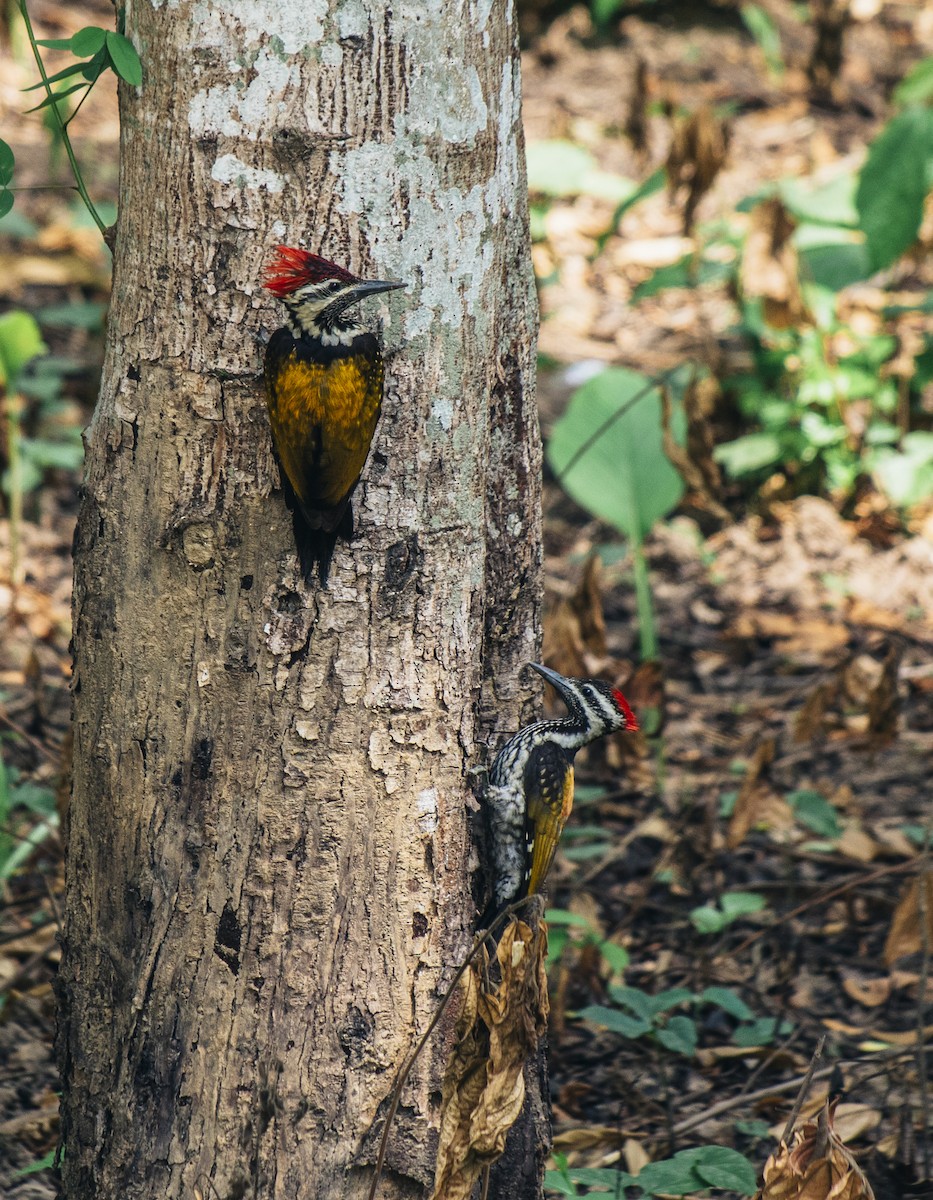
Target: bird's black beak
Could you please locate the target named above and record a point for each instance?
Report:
(558, 682)
(371, 287)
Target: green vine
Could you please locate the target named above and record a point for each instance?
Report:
(97, 50)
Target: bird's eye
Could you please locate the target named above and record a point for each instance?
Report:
(335, 285)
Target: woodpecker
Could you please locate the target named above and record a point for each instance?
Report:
(324, 377)
(529, 795)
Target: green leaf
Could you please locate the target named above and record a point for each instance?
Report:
(893, 185)
(604, 10)
(41, 1164)
(720, 1167)
(561, 917)
(608, 454)
(683, 274)
(763, 29)
(816, 812)
(20, 342)
(611, 1018)
(617, 957)
(672, 1176)
(57, 78)
(125, 59)
(679, 1035)
(66, 456)
(7, 161)
(56, 96)
(555, 1182)
(562, 168)
(85, 314)
(54, 43)
(917, 85)
(706, 919)
(749, 453)
(760, 1032)
(6, 201)
(88, 41)
(906, 476)
(728, 1001)
(828, 204)
(739, 904)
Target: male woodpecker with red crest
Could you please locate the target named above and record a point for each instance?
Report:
(324, 379)
(529, 795)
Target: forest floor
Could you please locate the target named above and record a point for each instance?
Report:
(764, 838)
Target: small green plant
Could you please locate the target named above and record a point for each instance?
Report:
(16, 844)
(821, 401)
(702, 1169)
(636, 1014)
(97, 50)
(567, 927)
(33, 443)
(732, 907)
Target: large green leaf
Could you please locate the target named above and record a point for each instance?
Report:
(20, 342)
(894, 183)
(562, 168)
(607, 452)
(124, 58)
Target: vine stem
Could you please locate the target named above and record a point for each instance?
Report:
(62, 124)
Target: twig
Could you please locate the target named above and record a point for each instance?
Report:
(745, 1098)
(804, 1088)
(896, 869)
(924, 916)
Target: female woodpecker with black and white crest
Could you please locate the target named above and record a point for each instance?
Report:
(529, 794)
(324, 379)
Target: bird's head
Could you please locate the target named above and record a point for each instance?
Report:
(318, 293)
(595, 702)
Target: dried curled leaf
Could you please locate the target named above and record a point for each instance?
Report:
(815, 1166)
(484, 1086)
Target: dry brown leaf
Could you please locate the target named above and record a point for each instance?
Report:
(695, 463)
(792, 634)
(484, 1086)
(856, 843)
(868, 992)
(810, 721)
(883, 703)
(575, 629)
(815, 1166)
(770, 268)
(904, 936)
(699, 148)
(752, 796)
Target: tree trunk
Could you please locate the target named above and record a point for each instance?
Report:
(269, 867)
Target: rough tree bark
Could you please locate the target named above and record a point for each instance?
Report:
(270, 861)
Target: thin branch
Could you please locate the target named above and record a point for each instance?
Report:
(804, 1089)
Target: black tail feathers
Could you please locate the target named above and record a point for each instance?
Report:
(316, 546)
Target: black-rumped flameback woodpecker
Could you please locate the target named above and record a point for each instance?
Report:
(324, 379)
(529, 795)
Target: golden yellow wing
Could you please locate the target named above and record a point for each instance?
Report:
(549, 801)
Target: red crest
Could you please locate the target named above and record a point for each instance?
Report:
(292, 268)
(631, 721)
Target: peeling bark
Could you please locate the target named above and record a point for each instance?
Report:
(270, 850)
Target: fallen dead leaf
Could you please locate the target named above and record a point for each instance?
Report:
(815, 1165)
(770, 268)
(870, 993)
(905, 935)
